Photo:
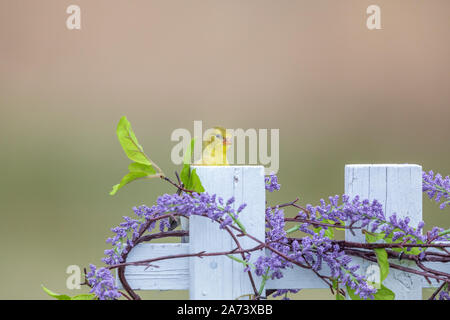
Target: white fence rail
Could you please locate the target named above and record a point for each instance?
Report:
(397, 187)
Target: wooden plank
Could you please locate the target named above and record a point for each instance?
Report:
(399, 189)
(170, 275)
(220, 277)
(249, 188)
(299, 278)
(174, 274)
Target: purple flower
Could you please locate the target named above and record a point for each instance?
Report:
(102, 283)
(444, 295)
(272, 183)
(312, 251)
(185, 204)
(437, 187)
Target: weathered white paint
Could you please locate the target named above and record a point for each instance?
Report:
(399, 190)
(220, 277)
(174, 274)
(397, 187)
(170, 274)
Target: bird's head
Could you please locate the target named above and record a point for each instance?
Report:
(218, 136)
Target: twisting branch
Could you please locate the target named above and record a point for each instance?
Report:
(435, 293)
(201, 254)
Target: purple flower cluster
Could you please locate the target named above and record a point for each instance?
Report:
(310, 251)
(437, 187)
(128, 231)
(272, 183)
(444, 295)
(276, 235)
(350, 211)
(186, 205)
(102, 283)
(368, 215)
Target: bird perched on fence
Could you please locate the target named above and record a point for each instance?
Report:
(214, 153)
(215, 147)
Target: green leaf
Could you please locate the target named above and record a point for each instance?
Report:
(384, 294)
(127, 179)
(383, 263)
(139, 167)
(129, 142)
(194, 183)
(293, 229)
(245, 263)
(373, 237)
(55, 295)
(339, 296)
(185, 174)
(190, 179)
(265, 276)
(186, 171)
(329, 232)
(137, 171)
(238, 222)
(142, 167)
(87, 296)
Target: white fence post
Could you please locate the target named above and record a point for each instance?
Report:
(219, 277)
(399, 190)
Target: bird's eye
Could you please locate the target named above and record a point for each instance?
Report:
(217, 135)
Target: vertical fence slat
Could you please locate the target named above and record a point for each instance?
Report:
(399, 189)
(220, 277)
(249, 188)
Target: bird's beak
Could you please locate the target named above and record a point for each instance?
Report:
(227, 141)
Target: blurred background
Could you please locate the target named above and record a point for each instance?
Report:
(338, 92)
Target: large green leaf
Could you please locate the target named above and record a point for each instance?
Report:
(131, 176)
(383, 263)
(194, 183)
(142, 167)
(384, 294)
(139, 167)
(56, 295)
(137, 171)
(129, 142)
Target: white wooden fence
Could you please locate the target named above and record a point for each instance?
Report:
(397, 187)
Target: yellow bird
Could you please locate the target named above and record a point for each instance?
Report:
(215, 148)
(214, 153)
